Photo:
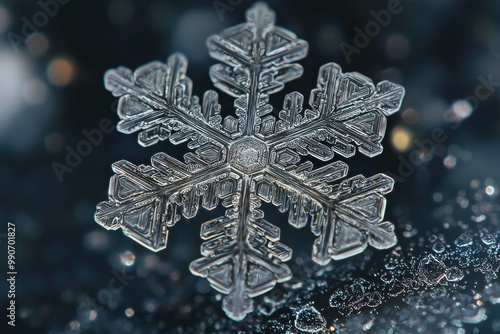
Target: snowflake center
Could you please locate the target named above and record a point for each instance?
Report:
(248, 155)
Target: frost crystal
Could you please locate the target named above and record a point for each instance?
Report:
(253, 157)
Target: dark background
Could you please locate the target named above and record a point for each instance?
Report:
(52, 90)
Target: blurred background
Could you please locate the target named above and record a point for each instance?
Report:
(445, 204)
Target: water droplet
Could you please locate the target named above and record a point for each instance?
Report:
(127, 258)
(96, 240)
(438, 247)
(454, 274)
(387, 278)
(374, 299)
(309, 320)
(474, 316)
(336, 300)
(490, 190)
(129, 312)
(438, 292)
(460, 110)
(463, 240)
(479, 219)
(474, 184)
(437, 307)
(392, 263)
(92, 315)
(431, 270)
(492, 293)
(450, 161)
(74, 326)
(368, 325)
(437, 197)
(462, 201)
(487, 239)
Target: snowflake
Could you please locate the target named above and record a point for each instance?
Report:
(253, 157)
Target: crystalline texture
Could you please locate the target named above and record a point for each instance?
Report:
(251, 157)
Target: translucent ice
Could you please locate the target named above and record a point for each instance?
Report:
(309, 320)
(252, 156)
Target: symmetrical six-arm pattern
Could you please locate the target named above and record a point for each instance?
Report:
(251, 158)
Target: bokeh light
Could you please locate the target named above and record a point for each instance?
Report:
(38, 44)
(35, 92)
(410, 116)
(459, 111)
(400, 138)
(4, 19)
(60, 71)
(398, 46)
(54, 142)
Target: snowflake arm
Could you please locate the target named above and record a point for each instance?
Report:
(258, 59)
(254, 156)
(143, 200)
(243, 257)
(345, 217)
(347, 110)
(156, 100)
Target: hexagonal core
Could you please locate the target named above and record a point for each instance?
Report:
(248, 155)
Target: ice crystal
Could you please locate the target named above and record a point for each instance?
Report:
(251, 157)
(309, 320)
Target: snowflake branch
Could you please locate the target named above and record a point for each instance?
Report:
(345, 217)
(143, 199)
(258, 59)
(242, 255)
(157, 97)
(347, 111)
